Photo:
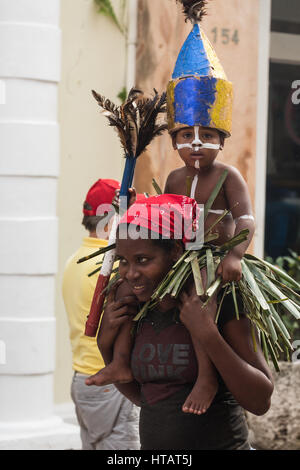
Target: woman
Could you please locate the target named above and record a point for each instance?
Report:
(163, 360)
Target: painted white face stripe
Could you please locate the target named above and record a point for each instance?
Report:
(196, 141)
(194, 184)
(197, 144)
(184, 146)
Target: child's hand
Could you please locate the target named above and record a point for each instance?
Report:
(132, 197)
(230, 268)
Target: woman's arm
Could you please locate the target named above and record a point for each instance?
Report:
(243, 370)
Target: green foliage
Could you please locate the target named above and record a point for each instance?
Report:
(270, 296)
(106, 8)
(291, 265)
(123, 95)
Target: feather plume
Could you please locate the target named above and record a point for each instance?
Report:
(136, 121)
(194, 10)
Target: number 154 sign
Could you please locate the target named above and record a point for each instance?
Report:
(225, 36)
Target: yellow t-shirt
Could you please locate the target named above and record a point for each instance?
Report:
(78, 290)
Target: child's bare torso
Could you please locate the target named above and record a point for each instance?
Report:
(177, 184)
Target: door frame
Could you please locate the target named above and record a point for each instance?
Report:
(275, 47)
(264, 43)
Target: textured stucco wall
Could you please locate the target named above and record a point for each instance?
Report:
(232, 28)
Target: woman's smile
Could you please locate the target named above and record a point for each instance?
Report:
(138, 290)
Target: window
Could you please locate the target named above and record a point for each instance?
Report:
(286, 16)
(282, 228)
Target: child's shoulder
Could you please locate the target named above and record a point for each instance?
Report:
(174, 177)
(233, 172)
(177, 173)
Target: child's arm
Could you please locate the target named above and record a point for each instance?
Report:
(174, 181)
(239, 201)
(119, 309)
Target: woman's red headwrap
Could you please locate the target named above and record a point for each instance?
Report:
(169, 215)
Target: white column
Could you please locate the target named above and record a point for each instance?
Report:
(29, 163)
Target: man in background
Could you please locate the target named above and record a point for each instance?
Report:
(108, 421)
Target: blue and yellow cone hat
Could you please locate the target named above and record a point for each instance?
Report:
(199, 93)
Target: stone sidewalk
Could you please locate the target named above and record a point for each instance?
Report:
(279, 428)
(60, 432)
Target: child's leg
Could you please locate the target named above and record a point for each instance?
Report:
(206, 386)
(118, 371)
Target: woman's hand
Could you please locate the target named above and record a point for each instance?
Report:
(119, 308)
(194, 314)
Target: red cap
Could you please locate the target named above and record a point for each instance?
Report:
(102, 192)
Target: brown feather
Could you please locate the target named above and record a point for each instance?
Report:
(149, 127)
(194, 10)
(135, 120)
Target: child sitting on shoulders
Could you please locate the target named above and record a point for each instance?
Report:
(199, 101)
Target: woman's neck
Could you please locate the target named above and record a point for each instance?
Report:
(167, 303)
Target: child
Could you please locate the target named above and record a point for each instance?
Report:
(201, 165)
(199, 102)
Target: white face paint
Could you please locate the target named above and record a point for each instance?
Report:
(197, 144)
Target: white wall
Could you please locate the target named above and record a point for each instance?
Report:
(93, 57)
(29, 70)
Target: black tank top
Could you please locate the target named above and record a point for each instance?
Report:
(164, 363)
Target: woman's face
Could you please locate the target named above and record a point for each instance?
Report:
(143, 264)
